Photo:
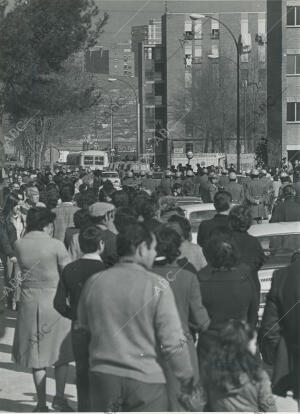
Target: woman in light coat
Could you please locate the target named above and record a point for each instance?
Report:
(42, 336)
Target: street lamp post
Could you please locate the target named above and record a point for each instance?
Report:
(239, 48)
(138, 146)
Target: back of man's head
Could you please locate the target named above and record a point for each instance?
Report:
(89, 239)
(131, 237)
(222, 201)
(66, 193)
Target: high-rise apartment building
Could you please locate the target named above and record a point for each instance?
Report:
(188, 84)
(150, 34)
(283, 79)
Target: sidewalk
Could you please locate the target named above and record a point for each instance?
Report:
(17, 391)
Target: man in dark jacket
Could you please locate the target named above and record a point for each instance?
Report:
(280, 333)
(289, 208)
(222, 203)
(68, 292)
(235, 189)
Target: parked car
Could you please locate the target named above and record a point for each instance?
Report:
(279, 241)
(112, 176)
(196, 213)
(187, 200)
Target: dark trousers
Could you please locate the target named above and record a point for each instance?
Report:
(80, 341)
(112, 393)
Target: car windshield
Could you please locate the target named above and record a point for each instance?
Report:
(197, 216)
(279, 248)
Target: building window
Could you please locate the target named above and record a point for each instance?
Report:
(293, 16)
(189, 147)
(188, 31)
(293, 65)
(293, 112)
(198, 30)
(215, 29)
(189, 131)
(215, 51)
(148, 53)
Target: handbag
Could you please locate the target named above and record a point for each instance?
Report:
(194, 401)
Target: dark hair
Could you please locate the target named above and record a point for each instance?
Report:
(240, 218)
(81, 218)
(86, 199)
(66, 193)
(183, 223)
(224, 356)
(12, 201)
(220, 253)
(168, 243)
(288, 191)
(148, 209)
(89, 239)
(120, 198)
(131, 237)
(38, 218)
(222, 200)
(124, 217)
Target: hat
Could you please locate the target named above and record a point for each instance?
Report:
(224, 172)
(263, 172)
(130, 174)
(100, 209)
(168, 173)
(142, 173)
(189, 173)
(232, 176)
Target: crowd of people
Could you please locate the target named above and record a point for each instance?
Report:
(110, 279)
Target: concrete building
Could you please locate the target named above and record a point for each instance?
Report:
(118, 61)
(283, 79)
(195, 67)
(150, 34)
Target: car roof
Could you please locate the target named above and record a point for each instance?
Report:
(190, 208)
(270, 229)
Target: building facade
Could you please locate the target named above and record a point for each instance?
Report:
(284, 79)
(118, 61)
(150, 34)
(193, 92)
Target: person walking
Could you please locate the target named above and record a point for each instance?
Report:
(64, 213)
(12, 229)
(227, 289)
(222, 203)
(186, 289)
(66, 300)
(42, 337)
(128, 303)
(279, 333)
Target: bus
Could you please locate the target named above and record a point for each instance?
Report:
(93, 159)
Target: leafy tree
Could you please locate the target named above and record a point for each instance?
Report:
(38, 42)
